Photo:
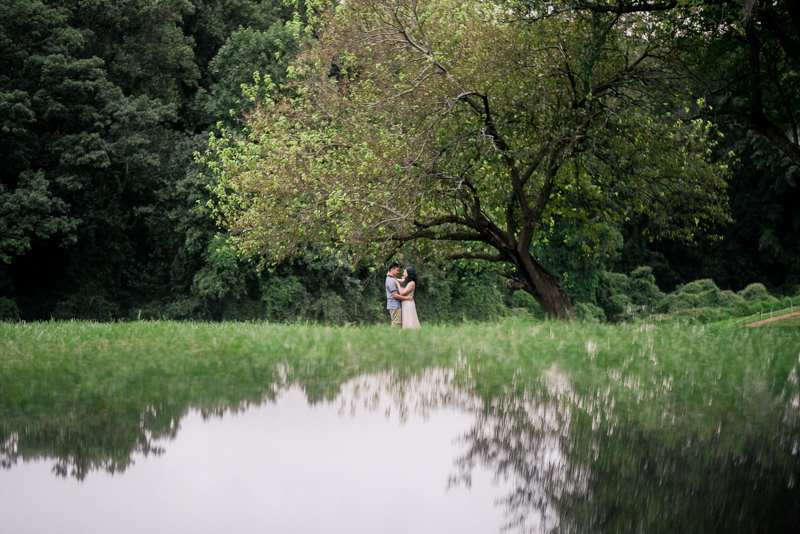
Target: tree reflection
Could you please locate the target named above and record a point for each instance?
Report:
(96, 435)
(522, 441)
(578, 465)
(104, 430)
(575, 460)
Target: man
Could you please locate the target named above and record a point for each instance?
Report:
(393, 297)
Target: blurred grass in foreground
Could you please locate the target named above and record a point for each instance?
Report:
(693, 373)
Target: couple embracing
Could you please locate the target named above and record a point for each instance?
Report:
(400, 296)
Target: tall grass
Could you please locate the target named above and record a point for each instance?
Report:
(695, 373)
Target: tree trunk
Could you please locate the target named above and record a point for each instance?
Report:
(544, 287)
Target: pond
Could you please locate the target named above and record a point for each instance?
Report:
(352, 465)
(543, 429)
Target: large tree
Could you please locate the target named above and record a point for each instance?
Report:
(467, 127)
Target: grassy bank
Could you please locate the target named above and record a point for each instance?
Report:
(693, 372)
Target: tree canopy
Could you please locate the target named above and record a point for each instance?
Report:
(467, 127)
(741, 55)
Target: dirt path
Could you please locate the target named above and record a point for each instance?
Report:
(779, 318)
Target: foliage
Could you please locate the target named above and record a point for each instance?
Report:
(326, 289)
(478, 302)
(99, 212)
(741, 55)
(586, 311)
(246, 52)
(213, 22)
(523, 301)
(8, 310)
(758, 247)
(141, 43)
(627, 297)
(703, 301)
(29, 211)
(78, 152)
(756, 292)
(103, 104)
(578, 255)
(91, 301)
(747, 67)
(397, 132)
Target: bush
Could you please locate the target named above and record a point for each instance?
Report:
(756, 293)
(700, 294)
(481, 302)
(586, 311)
(719, 299)
(434, 297)
(330, 308)
(90, 303)
(697, 287)
(642, 288)
(523, 300)
(8, 310)
(701, 315)
(624, 298)
(619, 304)
(285, 299)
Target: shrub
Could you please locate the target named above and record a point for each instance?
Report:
(756, 293)
(700, 294)
(434, 297)
(701, 315)
(697, 287)
(586, 311)
(330, 309)
(642, 288)
(90, 303)
(481, 302)
(285, 299)
(8, 310)
(719, 299)
(523, 300)
(619, 304)
(222, 275)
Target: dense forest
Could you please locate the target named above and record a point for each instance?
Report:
(106, 194)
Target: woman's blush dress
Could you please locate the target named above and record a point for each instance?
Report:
(409, 315)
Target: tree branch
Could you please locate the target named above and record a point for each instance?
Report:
(759, 121)
(477, 256)
(621, 9)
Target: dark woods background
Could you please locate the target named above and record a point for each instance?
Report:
(103, 104)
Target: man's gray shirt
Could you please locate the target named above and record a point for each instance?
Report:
(391, 302)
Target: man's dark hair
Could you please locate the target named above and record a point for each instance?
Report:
(392, 265)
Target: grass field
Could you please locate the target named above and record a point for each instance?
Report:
(676, 367)
(791, 321)
(713, 411)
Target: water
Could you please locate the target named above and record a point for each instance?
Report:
(346, 466)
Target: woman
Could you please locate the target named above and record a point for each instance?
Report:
(407, 286)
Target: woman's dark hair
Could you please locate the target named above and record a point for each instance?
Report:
(412, 277)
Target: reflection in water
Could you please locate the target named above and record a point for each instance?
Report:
(379, 465)
(611, 457)
(98, 435)
(522, 440)
(579, 463)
